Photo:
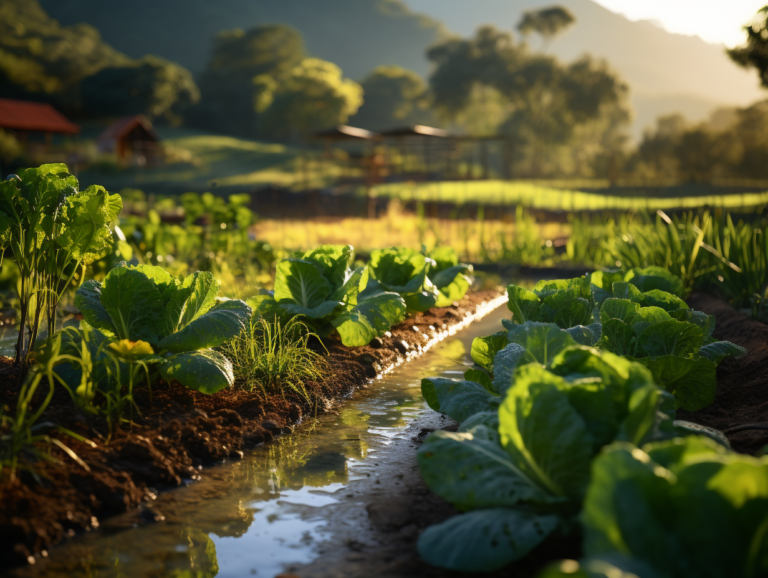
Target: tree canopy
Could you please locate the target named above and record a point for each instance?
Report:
(393, 96)
(547, 22)
(754, 53)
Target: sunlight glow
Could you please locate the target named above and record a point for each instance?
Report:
(715, 21)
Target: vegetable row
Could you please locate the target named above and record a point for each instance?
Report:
(568, 427)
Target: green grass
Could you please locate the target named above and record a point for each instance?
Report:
(555, 195)
(198, 159)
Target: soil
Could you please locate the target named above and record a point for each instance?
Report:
(176, 433)
(742, 384)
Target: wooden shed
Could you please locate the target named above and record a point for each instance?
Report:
(133, 140)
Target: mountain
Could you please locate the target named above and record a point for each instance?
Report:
(666, 72)
(358, 35)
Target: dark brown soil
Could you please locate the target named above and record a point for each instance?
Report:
(742, 384)
(177, 433)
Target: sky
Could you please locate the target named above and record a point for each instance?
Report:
(715, 21)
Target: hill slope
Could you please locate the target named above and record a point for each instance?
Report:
(355, 34)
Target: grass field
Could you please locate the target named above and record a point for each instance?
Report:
(199, 161)
(555, 195)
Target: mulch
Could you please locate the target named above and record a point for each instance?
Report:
(176, 433)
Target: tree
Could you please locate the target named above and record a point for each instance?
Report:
(151, 86)
(547, 22)
(313, 96)
(559, 118)
(755, 52)
(393, 96)
(243, 70)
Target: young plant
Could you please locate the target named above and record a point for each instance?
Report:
(521, 474)
(405, 272)
(451, 278)
(180, 321)
(53, 231)
(327, 295)
(566, 302)
(275, 357)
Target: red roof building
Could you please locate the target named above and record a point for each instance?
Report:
(132, 138)
(22, 116)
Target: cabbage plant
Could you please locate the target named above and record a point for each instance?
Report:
(322, 289)
(405, 272)
(566, 302)
(451, 278)
(683, 507)
(176, 322)
(521, 473)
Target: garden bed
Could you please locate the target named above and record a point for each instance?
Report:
(178, 432)
(742, 384)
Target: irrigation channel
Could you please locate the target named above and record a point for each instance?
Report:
(324, 491)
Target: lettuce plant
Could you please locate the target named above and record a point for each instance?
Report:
(53, 231)
(674, 342)
(320, 287)
(450, 278)
(405, 272)
(521, 474)
(179, 321)
(566, 302)
(683, 507)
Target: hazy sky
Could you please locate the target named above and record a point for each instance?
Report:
(716, 21)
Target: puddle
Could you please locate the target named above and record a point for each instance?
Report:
(255, 516)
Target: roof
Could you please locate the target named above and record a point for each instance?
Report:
(122, 127)
(416, 130)
(37, 116)
(342, 132)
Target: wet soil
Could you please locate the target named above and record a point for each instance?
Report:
(175, 435)
(742, 384)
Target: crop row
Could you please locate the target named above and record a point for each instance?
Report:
(568, 427)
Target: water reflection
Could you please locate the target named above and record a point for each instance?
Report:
(254, 516)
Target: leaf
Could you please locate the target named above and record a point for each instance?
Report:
(618, 337)
(471, 471)
(565, 310)
(666, 301)
(214, 328)
(670, 337)
(484, 540)
(325, 309)
(300, 283)
(718, 350)
(399, 269)
(588, 335)
(133, 303)
(651, 278)
(457, 399)
(131, 350)
(420, 301)
(621, 309)
(489, 419)
(480, 376)
(333, 261)
(86, 219)
(686, 428)
(166, 283)
(370, 318)
(484, 349)
(523, 304)
(504, 364)
(354, 283)
(195, 296)
(541, 341)
(578, 287)
(693, 382)
(454, 291)
(624, 290)
(88, 301)
(544, 434)
(206, 371)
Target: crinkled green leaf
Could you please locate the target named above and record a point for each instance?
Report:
(457, 399)
(720, 349)
(618, 337)
(566, 310)
(693, 382)
(134, 304)
(586, 335)
(370, 318)
(670, 337)
(621, 309)
(88, 301)
(651, 278)
(484, 349)
(666, 301)
(523, 304)
(195, 296)
(541, 341)
(300, 283)
(504, 364)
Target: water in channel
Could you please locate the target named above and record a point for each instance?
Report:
(259, 514)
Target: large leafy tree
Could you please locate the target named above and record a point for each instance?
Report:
(243, 70)
(560, 118)
(153, 86)
(754, 53)
(393, 97)
(313, 96)
(547, 22)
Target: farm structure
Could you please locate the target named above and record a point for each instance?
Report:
(43, 131)
(133, 140)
